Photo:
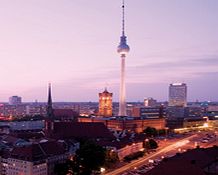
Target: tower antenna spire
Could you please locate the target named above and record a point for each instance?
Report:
(123, 18)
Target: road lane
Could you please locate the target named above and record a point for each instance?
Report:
(144, 160)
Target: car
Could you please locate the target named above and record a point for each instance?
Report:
(170, 155)
(204, 141)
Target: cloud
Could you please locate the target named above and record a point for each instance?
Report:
(201, 86)
(204, 74)
(204, 86)
(168, 71)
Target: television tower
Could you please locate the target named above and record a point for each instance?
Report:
(122, 49)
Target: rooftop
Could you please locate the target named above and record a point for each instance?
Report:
(192, 162)
(65, 130)
(36, 152)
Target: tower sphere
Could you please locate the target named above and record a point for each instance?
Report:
(123, 48)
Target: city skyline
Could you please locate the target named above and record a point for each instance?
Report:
(72, 44)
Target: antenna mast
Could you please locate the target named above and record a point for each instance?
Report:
(123, 18)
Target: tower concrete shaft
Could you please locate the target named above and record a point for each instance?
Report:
(122, 98)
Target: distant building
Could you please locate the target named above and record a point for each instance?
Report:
(131, 124)
(184, 112)
(25, 125)
(65, 114)
(33, 109)
(150, 102)
(175, 112)
(212, 110)
(149, 112)
(193, 112)
(175, 116)
(105, 104)
(194, 122)
(178, 94)
(15, 100)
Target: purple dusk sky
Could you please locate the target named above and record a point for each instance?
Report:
(72, 44)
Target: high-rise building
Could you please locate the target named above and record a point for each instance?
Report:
(15, 100)
(178, 94)
(105, 103)
(150, 102)
(122, 49)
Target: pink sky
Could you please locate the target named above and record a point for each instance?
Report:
(72, 44)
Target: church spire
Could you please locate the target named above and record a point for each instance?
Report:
(49, 104)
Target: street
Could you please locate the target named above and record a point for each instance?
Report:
(169, 148)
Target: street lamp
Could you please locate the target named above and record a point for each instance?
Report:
(102, 170)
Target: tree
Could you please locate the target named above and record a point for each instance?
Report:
(146, 144)
(90, 157)
(150, 144)
(149, 131)
(63, 168)
(153, 144)
(111, 158)
(162, 132)
(133, 156)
